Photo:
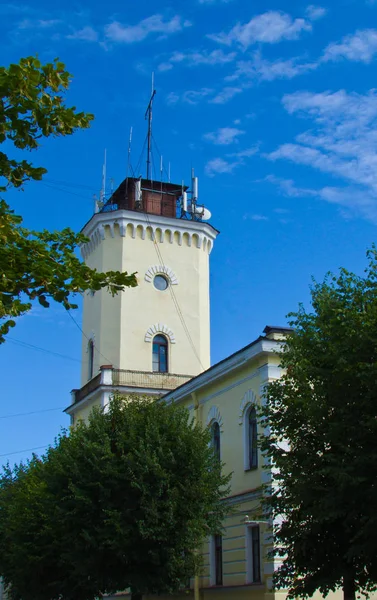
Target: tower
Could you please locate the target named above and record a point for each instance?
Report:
(156, 336)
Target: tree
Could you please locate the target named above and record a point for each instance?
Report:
(39, 265)
(322, 422)
(123, 502)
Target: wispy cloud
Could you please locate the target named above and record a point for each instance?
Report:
(226, 94)
(361, 46)
(261, 69)
(255, 217)
(224, 136)
(270, 28)
(214, 1)
(342, 142)
(87, 34)
(37, 23)
(197, 58)
(129, 34)
(221, 165)
(314, 12)
(189, 96)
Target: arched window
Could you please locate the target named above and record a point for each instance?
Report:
(215, 429)
(160, 354)
(90, 359)
(252, 438)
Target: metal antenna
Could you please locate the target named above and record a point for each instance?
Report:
(103, 190)
(129, 152)
(169, 173)
(148, 114)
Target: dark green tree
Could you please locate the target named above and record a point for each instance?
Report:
(123, 502)
(38, 265)
(322, 422)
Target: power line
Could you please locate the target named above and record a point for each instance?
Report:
(33, 412)
(90, 339)
(26, 450)
(39, 349)
(175, 301)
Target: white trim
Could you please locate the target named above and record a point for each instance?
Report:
(95, 229)
(225, 367)
(214, 416)
(157, 329)
(248, 399)
(161, 270)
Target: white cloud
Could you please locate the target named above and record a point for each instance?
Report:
(230, 162)
(87, 34)
(314, 12)
(38, 23)
(214, 1)
(270, 27)
(224, 136)
(342, 143)
(128, 34)
(189, 97)
(226, 94)
(255, 217)
(360, 46)
(261, 69)
(196, 58)
(219, 165)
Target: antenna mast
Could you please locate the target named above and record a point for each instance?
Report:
(148, 114)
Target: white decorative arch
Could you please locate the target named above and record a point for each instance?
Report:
(248, 399)
(214, 415)
(161, 270)
(157, 329)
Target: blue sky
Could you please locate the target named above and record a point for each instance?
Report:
(271, 102)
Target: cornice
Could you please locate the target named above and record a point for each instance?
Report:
(200, 234)
(224, 368)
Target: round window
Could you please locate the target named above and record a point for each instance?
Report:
(160, 282)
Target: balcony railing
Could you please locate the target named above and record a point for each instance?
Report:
(118, 378)
(147, 379)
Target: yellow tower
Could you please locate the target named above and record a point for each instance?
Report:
(154, 337)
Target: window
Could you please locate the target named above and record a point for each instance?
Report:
(216, 558)
(90, 359)
(252, 439)
(216, 439)
(253, 571)
(160, 354)
(160, 283)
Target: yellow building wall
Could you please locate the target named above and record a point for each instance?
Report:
(118, 324)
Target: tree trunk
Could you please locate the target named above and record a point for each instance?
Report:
(349, 588)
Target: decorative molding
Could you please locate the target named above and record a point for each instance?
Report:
(225, 367)
(214, 415)
(199, 234)
(161, 270)
(248, 399)
(157, 329)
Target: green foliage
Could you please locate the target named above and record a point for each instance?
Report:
(39, 265)
(323, 441)
(123, 502)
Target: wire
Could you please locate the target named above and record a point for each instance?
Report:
(65, 184)
(175, 301)
(90, 340)
(33, 412)
(54, 187)
(26, 450)
(33, 347)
